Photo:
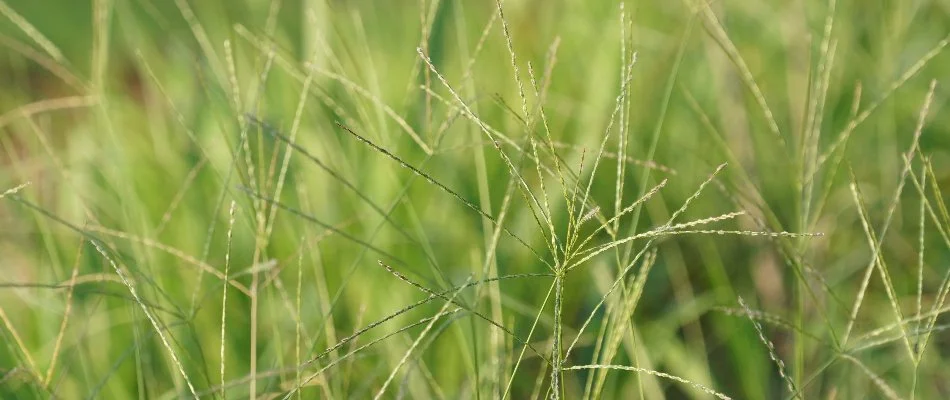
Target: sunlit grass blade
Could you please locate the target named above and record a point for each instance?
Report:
(224, 294)
(47, 62)
(895, 200)
(912, 71)
(425, 331)
(152, 319)
(628, 303)
(66, 314)
(621, 276)
(30, 368)
(47, 105)
(876, 261)
(467, 111)
(534, 325)
(443, 295)
(772, 354)
(651, 372)
(886, 389)
(718, 33)
(431, 297)
(32, 32)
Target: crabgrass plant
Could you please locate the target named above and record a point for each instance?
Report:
(332, 200)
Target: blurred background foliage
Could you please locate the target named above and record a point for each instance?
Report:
(127, 121)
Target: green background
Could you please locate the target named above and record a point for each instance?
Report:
(136, 127)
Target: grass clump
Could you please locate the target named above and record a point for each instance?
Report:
(449, 200)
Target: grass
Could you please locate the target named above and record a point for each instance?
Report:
(444, 199)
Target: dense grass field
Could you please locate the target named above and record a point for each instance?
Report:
(474, 199)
